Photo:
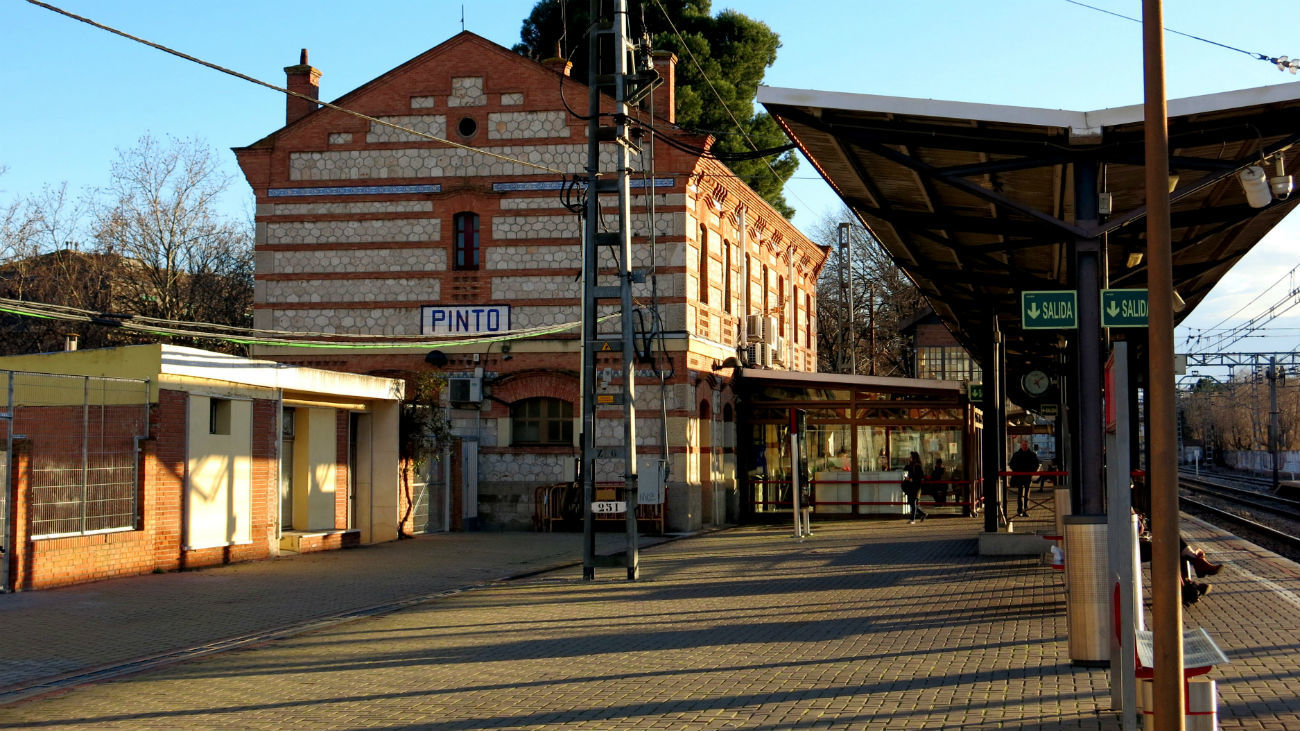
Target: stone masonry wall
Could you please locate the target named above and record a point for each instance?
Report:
(354, 232)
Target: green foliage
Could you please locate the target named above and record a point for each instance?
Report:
(721, 61)
(423, 429)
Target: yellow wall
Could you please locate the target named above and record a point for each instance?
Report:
(314, 469)
(218, 477)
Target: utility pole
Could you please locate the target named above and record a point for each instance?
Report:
(625, 86)
(1273, 428)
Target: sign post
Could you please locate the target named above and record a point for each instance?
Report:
(1056, 309)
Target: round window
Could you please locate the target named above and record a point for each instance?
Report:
(467, 127)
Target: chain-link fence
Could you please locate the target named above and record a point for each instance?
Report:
(82, 433)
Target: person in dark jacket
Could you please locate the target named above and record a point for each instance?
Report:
(913, 477)
(1024, 460)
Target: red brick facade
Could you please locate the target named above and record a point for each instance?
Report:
(358, 231)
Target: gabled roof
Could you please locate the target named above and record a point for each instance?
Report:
(975, 201)
(446, 47)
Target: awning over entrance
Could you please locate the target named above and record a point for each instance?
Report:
(978, 203)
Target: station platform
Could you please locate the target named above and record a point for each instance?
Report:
(867, 624)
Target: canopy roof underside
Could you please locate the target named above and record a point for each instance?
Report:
(976, 202)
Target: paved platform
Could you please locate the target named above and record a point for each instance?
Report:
(871, 624)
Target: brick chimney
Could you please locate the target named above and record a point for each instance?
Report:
(304, 80)
(665, 96)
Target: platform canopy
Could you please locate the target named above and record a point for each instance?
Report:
(977, 203)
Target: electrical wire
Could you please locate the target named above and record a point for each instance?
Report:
(718, 96)
(1253, 300)
(253, 336)
(283, 90)
(1283, 63)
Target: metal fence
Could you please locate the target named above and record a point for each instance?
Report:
(83, 434)
(429, 494)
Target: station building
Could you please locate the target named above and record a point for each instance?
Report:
(143, 458)
(363, 228)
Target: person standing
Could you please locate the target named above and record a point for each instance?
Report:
(1024, 460)
(913, 477)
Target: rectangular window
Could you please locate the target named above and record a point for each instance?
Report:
(704, 266)
(726, 277)
(218, 416)
(466, 241)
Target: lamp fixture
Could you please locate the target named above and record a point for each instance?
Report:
(1134, 258)
(1178, 303)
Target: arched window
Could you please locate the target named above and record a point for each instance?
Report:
(466, 255)
(541, 421)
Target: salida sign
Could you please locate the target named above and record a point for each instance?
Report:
(1055, 309)
(1123, 308)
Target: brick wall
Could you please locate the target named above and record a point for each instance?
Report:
(156, 543)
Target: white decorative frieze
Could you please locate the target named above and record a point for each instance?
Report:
(523, 204)
(351, 290)
(358, 321)
(527, 125)
(352, 260)
(512, 100)
(467, 91)
(340, 138)
(438, 162)
(505, 228)
(423, 102)
(354, 232)
(429, 124)
(529, 288)
(566, 256)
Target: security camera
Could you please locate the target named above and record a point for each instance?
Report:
(1281, 186)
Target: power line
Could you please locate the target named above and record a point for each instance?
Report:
(254, 336)
(283, 90)
(1283, 63)
(705, 76)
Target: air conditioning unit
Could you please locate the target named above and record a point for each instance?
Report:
(754, 328)
(771, 330)
(778, 351)
(758, 355)
(465, 390)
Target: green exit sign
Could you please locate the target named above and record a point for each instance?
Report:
(1123, 308)
(1056, 309)
(976, 392)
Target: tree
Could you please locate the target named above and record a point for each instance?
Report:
(150, 244)
(186, 262)
(722, 60)
(883, 299)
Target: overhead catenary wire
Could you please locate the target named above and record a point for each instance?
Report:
(1283, 63)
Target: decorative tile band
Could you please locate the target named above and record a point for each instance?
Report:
(354, 190)
(559, 185)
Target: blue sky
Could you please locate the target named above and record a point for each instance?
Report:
(76, 93)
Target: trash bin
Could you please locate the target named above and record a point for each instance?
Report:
(1201, 712)
(1088, 603)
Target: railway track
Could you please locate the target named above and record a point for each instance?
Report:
(1247, 508)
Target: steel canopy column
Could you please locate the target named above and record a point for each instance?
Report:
(1088, 496)
(995, 425)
